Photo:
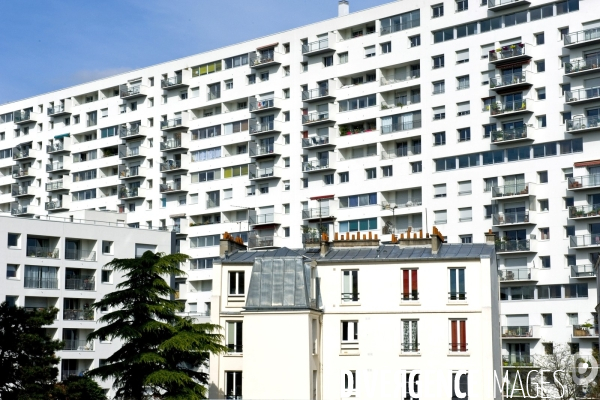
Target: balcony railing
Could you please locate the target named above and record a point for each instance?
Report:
(581, 123)
(457, 295)
(173, 81)
(315, 93)
(18, 210)
(517, 331)
(386, 30)
(66, 373)
(322, 212)
(41, 283)
(170, 187)
(513, 106)
(53, 205)
(583, 331)
(125, 132)
(263, 127)
(21, 116)
(581, 36)
(22, 190)
(262, 150)
(56, 166)
(81, 255)
(588, 64)
(20, 172)
(592, 239)
(388, 80)
(171, 123)
(56, 146)
(513, 245)
(125, 193)
(262, 219)
(583, 271)
(582, 94)
(515, 189)
(315, 141)
(592, 210)
(78, 315)
(347, 297)
(507, 79)
(171, 165)
(57, 109)
(508, 218)
(261, 105)
(128, 91)
(401, 152)
(315, 117)
(24, 153)
(315, 46)
(517, 360)
(79, 345)
(507, 52)
(130, 172)
(42, 252)
(171, 144)
(213, 203)
(586, 181)
(263, 241)
(410, 347)
(55, 185)
(80, 283)
(515, 274)
(315, 165)
(457, 347)
(401, 126)
(262, 173)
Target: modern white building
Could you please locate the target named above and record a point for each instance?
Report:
(353, 318)
(59, 261)
(471, 115)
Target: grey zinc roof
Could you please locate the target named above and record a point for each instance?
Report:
(384, 252)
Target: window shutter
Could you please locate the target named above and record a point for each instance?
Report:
(439, 190)
(462, 107)
(140, 249)
(462, 55)
(464, 187)
(465, 213)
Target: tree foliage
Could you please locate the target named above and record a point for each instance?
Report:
(27, 355)
(161, 351)
(78, 388)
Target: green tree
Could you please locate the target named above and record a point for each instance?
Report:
(27, 355)
(161, 351)
(78, 388)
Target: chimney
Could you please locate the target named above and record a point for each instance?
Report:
(343, 8)
(490, 237)
(324, 248)
(436, 243)
(228, 245)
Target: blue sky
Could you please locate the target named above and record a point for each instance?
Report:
(51, 44)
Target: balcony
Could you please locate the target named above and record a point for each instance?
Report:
(582, 67)
(316, 118)
(580, 96)
(317, 213)
(586, 271)
(512, 218)
(77, 345)
(513, 275)
(510, 136)
(584, 182)
(255, 173)
(264, 60)
(584, 241)
(18, 172)
(178, 81)
(174, 144)
(257, 128)
(318, 94)
(520, 332)
(583, 124)
(20, 211)
(78, 315)
(133, 132)
(264, 219)
(401, 152)
(257, 106)
(80, 255)
(505, 54)
(213, 203)
(585, 332)
(264, 242)
(66, 373)
(509, 81)
(269, 150)
(180, 229)
(584, 212)
(59, 166)
(82, 283)
(41, 252)
(518, 360)
(59, 109)
(390, 80)
(509, 109)
(400, 127)
(131, 193)
(132, 172)
(41, 283)
(131, 92)
(58, 184)
(316, 141)
(320, 46)
(58, 204)
(24, 117)
(514, 246)
(59, 147)
(511, 191)
(24, 154)
(180, 186)
(22, 190)
(172, 166)
(178, 123)
(400, 26)
(499, 5)
(323, 164)
(582, 38)
(126, 152)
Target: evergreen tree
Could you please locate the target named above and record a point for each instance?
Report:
(78, 388)
(27, 355)
(161, 351)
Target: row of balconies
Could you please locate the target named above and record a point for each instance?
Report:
(510, 275)
(53, 252)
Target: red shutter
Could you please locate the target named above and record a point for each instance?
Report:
(405, 282)
(454, 343)
(414, 284)
(463, 335)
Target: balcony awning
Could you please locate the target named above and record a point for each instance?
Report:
(62, 136)
(583, 164)
(181, 215)
(513, 64)
(328, 197)
(267, 46)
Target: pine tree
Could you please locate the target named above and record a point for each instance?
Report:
(78, 388)
(161, 351)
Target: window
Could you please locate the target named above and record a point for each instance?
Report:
(236, 283)
(543, 205)
(544, 233)
(438, 61)
(286, 231)
(233, 384)
(349, 331)
(358, 225)
(541, 93)
(235, 171)
(328, 179)
(286, 139)
(358, 103)
(13, 239)
(462, 5)
(304, 183)
(106, 276)
(237, 61)
(466, 239)
(416, 167)
(458, 335)
(286, 93)
(386, 47)
(350, 286)
(462, 56)
(541, 120)
(540, 65)
(344, 177)
(465, 214)
(229, 84)
(464, 188)
(205, 69)
(387, 171)
(439, 87)
(457, 284)
(543, 176)
(369, 51)
(437, 11)
(251, 79)
(539, 38)
(569, 202)
(439, 190)
(415, 40)
(227, 194)
(234, 336)
(410, 336)
(440, 217)
(343, 58)
(371, 173)
(439, 113)
(568, 173)
(572, 318)
(286, 116)
(464, 134)
(358, 200)
(549, 291)
(545, 260)
(463, 108)
(204, 241)
(264, 76)
(569, 231)
(576, 290)
(439, 138)
(547, 320)
(463, 82)
(410, 290)
(11, 270)
(250, 190)
(443, 35)
(286, 208)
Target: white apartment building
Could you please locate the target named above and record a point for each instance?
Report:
(59, 261)
(356, 318)
(365, 122)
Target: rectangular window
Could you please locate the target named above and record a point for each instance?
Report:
(410, 336)
(204, 241)
(350, 286)
(437, 11)
(349, 331)
(415, 40)
(438, 61)
(234, 336)
(540, 65)
(358, 103)
(358, 225)
(457, 284)
(576, 290)
(386, 47)
(369, 51)
(205, 69)
(549, 292)
(464, 134)
(439, 87)
(344, 177)
(236, 283)
(11, 270)
(410, 288)
(233, 384)
(387, 171)
(443, 35)
(371, 173)
(358, 200)
(237, 61)
(343, 58)
(201, 263)
(458, 335)
(439, 138)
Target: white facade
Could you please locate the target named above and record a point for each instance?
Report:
(59, 261)
(385, 117)
(373, 313)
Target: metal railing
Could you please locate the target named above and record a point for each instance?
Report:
(410, 296)
(581, 271)
(578, 123)
(352, 296)
(80, 345)
(457, 347)
(21, 153)
(514, 274)
(53, 205)
(213, 203)
(580, 330)
(130, 152)
(315, 165)
(386, 30)
(262, 219)
(508, 52)
(579, 182)
(315, 46)
(582, 94)
(315, 117)
(17, 173)
(513, 245)
(264, 241)
(495, 3)
(410, 347)
(125, 193)
(582, 65)
(509, 134)
(171, 123)
(42, 252)
(129, 91)
(262, 150)
(41, 283)
(315, 141)
(78, 315)
(170, 187)
(457, 295)
(507, 79)
(130, 172)
(21, 190)
(401, 152)
(56, 146)
(592, 210)
(264, 127)
(508, 218)
(499, 108)
(54, 185)
(592, 239)
(66, 373)
(261, 104)
(81, 255)
(264, 58)
(56, 109)
(315, 93)
(235, 348)
(175, 80)
(401, 126)
(18, 210)
(55, 166)
(172, 165)
(322, 212)
(262, 173)
(86, 283)
(20, 116)
(581, 36)
(518, 360)
(388, 80)
(514, 189)
(131, 131)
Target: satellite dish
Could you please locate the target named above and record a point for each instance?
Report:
(392, 205)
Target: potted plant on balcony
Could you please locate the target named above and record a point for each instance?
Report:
(343, 130)
(589, 327)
